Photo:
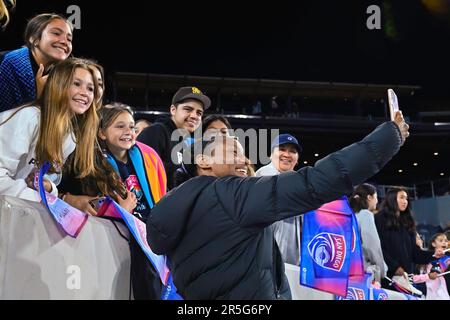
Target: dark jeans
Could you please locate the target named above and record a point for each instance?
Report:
(144, 278)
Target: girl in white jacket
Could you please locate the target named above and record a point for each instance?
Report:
(49, 128)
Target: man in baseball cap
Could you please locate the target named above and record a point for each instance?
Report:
(186, 112)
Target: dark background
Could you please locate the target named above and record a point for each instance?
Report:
(325, 41)
(292, 40)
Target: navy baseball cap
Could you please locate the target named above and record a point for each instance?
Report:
(285, 139)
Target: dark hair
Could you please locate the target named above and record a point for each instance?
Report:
(358, 200)
(37, 24)
(109, 112)
(188, 167)
(433, 238)
(214, 117)
(389, 207)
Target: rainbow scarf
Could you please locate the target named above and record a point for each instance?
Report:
(149, 170)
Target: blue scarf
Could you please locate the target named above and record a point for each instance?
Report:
(17, 80)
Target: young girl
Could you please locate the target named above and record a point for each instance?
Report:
(48, 39)
(48, 129)
(436, 286)
(131, 173)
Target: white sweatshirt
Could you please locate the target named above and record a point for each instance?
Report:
(18, 137)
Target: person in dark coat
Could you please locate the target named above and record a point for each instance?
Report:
(397, 231)
(188, 105)
(214, 227)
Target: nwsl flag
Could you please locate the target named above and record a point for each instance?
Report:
(443, 262)
(379, 294)
(358, 288)
(331, 248)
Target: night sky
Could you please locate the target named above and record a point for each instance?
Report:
(289, 40)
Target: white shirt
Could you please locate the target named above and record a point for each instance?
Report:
(18, 137)
(371, 245)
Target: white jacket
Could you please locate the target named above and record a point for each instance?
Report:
(18, 137)
(371, 245)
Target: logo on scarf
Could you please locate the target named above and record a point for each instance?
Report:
(328, 250)
(354, 294)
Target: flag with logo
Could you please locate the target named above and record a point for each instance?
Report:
(139, 230)
(443, 262)
(358, 288)
(326, 247)
(379, 294)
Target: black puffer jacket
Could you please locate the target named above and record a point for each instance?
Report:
(214, 230)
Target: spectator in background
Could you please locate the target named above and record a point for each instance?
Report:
(99, 74)
(23, 72)
(215, 125)
(284, 157)
(274, 105)
(188, 105)
(5, 7)
(436, 287)
(257, 108)
(397, 232)
(363, 200)
(140, 125)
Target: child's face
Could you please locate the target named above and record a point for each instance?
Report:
(440, 242)
(81, 91)
(120, 135)
(55, 43)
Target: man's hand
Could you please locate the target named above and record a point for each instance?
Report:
(402, 125)
(129, 203)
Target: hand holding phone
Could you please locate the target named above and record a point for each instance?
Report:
(97, 203)
(393, 103)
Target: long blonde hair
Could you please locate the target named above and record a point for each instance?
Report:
(4, 13)
(57, 119)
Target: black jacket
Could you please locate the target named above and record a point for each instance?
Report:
(214, 230)
(158, 136)
(399, 247)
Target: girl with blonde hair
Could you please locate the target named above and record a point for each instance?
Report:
(48, 129)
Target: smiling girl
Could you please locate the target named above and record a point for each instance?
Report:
(48, 129)
(48, 39)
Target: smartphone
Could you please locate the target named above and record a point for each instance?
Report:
(393, 103)
(97, 203)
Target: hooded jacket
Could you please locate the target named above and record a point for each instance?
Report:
(214, 230)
